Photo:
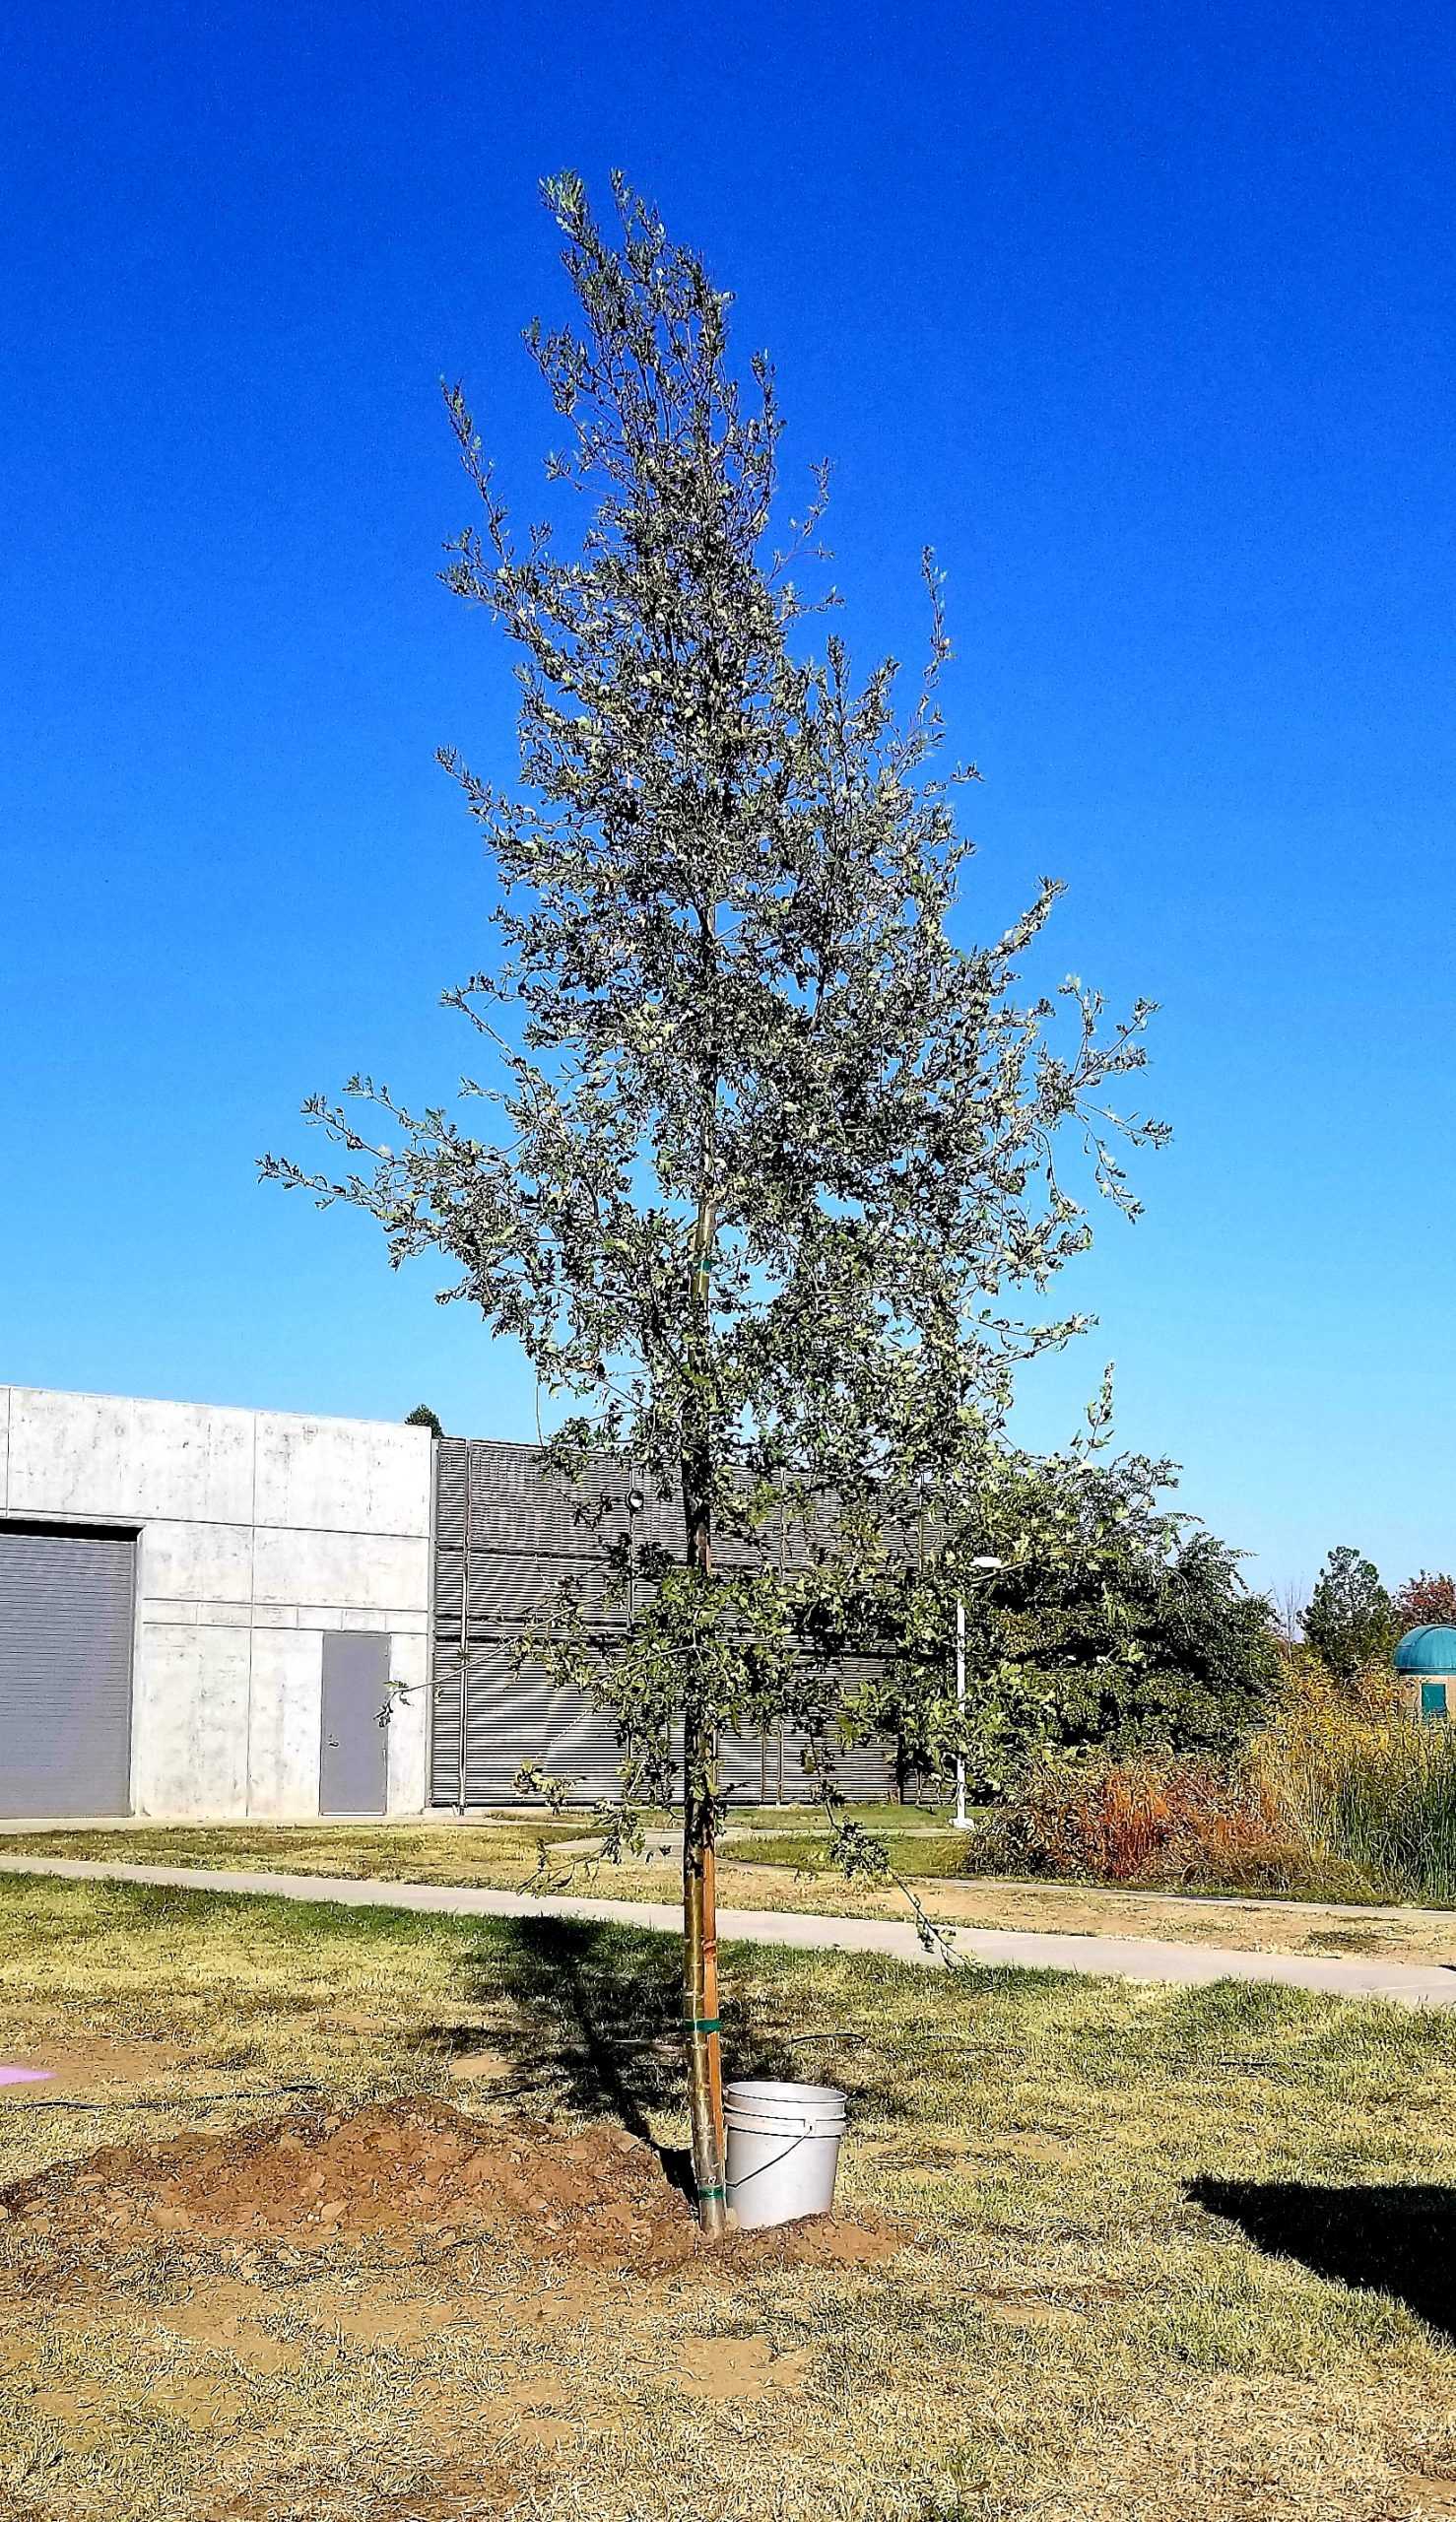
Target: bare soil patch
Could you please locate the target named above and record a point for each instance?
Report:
(230, 2317)
(1035, 2307)
(737, 2368)
(1429, 2495)
(454, 2494)
(416, 2171)
(89, 2069)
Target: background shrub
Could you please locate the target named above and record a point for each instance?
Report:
(1343, 1795)
(1363, 1783)
(1426, 1598)
(1174, 1821)
(1350, 1620)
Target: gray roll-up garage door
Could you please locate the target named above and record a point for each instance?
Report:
(65, 1673)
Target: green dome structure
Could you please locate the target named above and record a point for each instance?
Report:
(1430, 1648)
(1426, 1658)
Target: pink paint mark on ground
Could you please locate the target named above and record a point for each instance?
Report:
(26, 2074)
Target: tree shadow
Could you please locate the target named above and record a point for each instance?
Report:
(1397, 2238)
(597, 2024)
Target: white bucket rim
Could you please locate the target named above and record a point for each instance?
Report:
(760, 2094)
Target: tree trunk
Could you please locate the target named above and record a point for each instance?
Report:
(699, 1820)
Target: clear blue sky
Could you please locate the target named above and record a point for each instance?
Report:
(1142, 315)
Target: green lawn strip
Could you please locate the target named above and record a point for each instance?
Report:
(503, 1854)
(507, 1854)
(390, 1852)
(894, 1819)
(931, 1852)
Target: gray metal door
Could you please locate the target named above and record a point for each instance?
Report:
(65, 1673)
(354, 1755)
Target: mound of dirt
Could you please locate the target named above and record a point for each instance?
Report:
(417, 2171)
(412, 2169)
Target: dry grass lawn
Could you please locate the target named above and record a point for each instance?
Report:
(1161, 2255)
(505, 1856)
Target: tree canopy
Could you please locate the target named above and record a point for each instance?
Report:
(1350, 1620)
(1107, 1617)
(1424, 1598)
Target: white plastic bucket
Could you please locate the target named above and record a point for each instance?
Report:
(783, 2150)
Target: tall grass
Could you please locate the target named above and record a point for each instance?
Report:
(1365, 1785)
(1343, 1795)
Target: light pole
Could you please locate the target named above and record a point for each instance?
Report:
(981, 1567)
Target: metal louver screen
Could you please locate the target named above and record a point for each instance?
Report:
(506, 1534)
(444, 1738)
(65, 1673)
(512, 1717)
(451, 1473)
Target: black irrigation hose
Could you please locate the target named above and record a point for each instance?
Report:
(180, 2102)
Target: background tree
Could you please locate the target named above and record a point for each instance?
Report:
(1424, 1598)
(422, 1416)
(765, 1151)
(1350, 1620)
(1290, 1616)
(1111, 1619)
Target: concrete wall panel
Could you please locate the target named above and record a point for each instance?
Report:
(195, 1563)
(82, 1453)
(409, 1725)
(356, 1571)
(288, 1668)
(191, 1729)
(343, 1476)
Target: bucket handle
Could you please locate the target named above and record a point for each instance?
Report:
(773, 2163)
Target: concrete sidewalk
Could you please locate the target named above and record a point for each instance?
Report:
(1142, 1957)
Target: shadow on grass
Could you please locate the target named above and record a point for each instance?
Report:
(597, 2023)
(1397, 2239)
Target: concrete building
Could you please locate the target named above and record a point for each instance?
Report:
(233, 1614)
(204, 1611)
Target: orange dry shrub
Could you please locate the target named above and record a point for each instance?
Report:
(1341, 1796)
(1162, 1821)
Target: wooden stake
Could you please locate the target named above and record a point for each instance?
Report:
(700, 2008)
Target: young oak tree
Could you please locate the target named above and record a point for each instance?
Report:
(765, 1149)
